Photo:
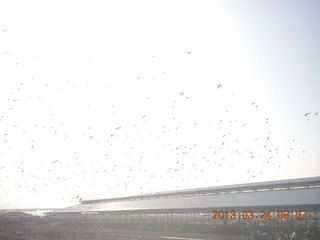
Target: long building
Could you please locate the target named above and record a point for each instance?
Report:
(292, 203)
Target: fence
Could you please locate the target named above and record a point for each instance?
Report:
(32, 234)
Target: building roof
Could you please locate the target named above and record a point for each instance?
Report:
(293, 194)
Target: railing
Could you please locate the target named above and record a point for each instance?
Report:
(31, 234)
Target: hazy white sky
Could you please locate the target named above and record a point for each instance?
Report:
(107, 98)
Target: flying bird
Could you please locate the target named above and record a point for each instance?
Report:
(219, 86)
(307, 114)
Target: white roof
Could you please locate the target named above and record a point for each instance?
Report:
(294, 194)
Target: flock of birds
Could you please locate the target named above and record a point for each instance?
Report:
(58, 150)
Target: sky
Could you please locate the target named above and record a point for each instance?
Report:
(102, 99)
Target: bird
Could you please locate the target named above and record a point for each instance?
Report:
(307, 114)
(219, 86)
(189, 52)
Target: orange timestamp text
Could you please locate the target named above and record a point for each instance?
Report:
(261, 215)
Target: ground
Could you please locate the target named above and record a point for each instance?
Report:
(37, 232)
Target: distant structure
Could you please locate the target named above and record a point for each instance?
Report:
(22, 216)
(233, 209)
(25, 212)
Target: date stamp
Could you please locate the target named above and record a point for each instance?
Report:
(259, 215)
